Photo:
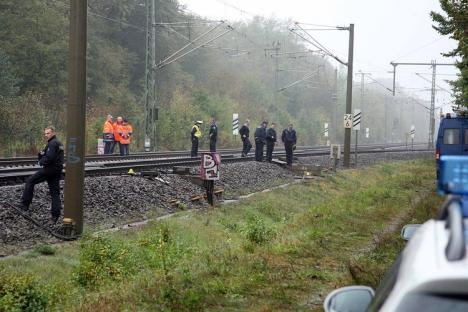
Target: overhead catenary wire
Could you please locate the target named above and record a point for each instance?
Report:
(306, 77)
(316, 43)
(167, 59)
(242, 52)
(420, 75)
(419, 48)
(167, 62)
(315, 40)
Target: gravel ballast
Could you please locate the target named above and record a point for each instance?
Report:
(115, 200)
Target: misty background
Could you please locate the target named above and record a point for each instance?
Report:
(254, 66)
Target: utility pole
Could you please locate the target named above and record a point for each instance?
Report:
(386, 123)
(430, 144)
(349, 97)
(76, 116)
(433, 64)
(277, 47)
(150, 90)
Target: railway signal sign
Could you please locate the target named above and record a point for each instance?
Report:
(413, 131)
(235, 124)
(348, 121)
(325, 130)
(210, 166)
(357, 120)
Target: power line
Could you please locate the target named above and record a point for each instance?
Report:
(419, 48)
(242, 52)
(237, 8)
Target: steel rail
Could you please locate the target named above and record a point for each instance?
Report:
(15, 175)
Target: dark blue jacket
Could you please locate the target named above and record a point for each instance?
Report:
(213, 132)
(260, 134)
(52, 155)
(244, 131)
(271, 135)
(289, 137)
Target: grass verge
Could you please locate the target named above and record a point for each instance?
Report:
(277, 251)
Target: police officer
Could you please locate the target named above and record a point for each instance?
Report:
(51, 162)
(289, 139)
(244, 132)
(195, 135)
(260, 140)
(213, 135)
(270, 141)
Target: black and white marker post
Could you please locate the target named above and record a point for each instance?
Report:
(412, 133)
(356, 128)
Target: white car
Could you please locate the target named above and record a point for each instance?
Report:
(431, 274)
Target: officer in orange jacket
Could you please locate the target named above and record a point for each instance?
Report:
(108, 136)
(118, 131)
(125, 137)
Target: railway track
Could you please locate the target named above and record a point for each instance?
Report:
(16, 170)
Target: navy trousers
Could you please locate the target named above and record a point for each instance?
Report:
(52, 176)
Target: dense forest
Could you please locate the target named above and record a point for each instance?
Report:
(239, 72)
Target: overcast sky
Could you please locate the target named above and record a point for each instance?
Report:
(385, 30)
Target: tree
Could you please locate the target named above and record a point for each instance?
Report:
(8, 81)
(455, 25)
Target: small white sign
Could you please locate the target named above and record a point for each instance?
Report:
(348, 121)
(325, 130)
(367, 133)
(100, 147)
(335, 151)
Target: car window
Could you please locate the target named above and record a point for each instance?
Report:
(430, 302)
(466, 136)
(451, 136)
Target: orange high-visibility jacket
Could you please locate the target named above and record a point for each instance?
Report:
(126, 134)
(108, 131)
(118, 130)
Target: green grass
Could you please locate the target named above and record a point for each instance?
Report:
(280, 251)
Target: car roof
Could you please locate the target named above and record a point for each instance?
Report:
(426, 268)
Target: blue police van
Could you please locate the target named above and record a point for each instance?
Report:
(452, 138)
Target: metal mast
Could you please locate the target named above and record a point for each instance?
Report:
(150, 90)
(432, 120)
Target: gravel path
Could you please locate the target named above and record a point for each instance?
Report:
(116, 200)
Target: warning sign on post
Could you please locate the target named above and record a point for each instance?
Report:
(357, 120)
(348, 121)
(325, 129)
(413, 131)
(235, 124)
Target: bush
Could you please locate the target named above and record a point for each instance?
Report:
(257, 231)
(21, 293)
(45, 249)
(103, 260)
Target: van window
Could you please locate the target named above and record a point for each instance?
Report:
(451, 136)
(466, 136)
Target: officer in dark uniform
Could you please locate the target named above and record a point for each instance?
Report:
(260, 140)
(289, 139)
(270, 141)
(51, 162)
(244, 132)
(213, 135)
